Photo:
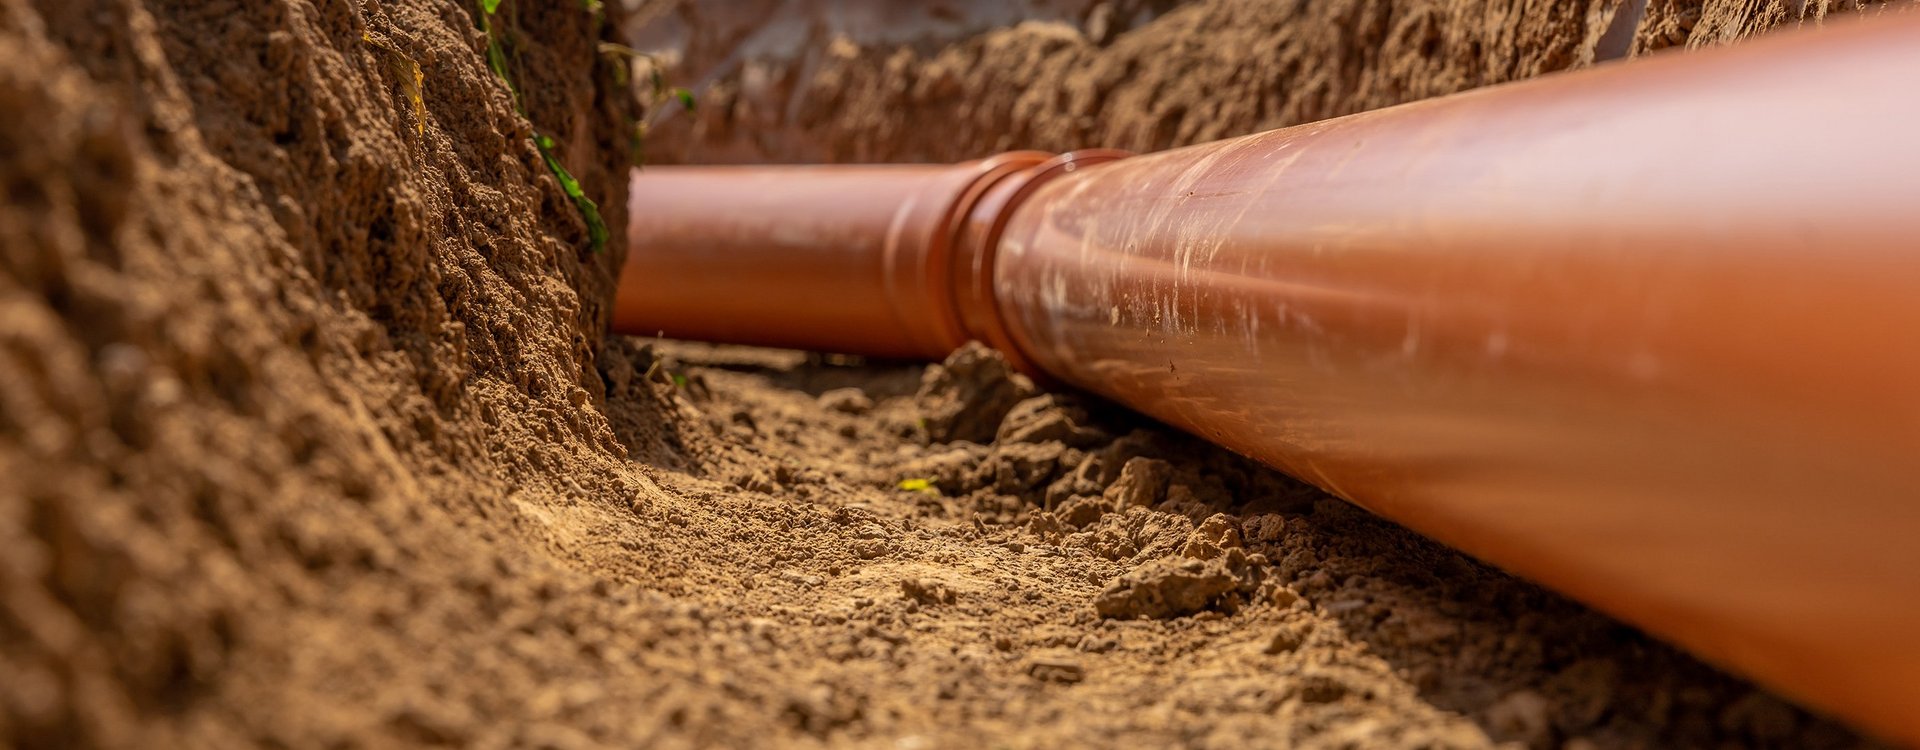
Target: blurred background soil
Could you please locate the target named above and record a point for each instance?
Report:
(876, 80)
(310, 434)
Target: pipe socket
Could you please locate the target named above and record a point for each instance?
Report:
(879, 260)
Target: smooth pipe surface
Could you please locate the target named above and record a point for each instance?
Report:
(849, 259)
(1648, 334)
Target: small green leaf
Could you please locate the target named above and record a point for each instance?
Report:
(596, 226)
(679, 381)
(685, 97)
(497, 60)
(919, 484)
(497, 52)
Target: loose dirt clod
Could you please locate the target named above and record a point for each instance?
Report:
(1048, 418)
(1213, 538)
(966, 397)
(1142, 483)
(1166, 588)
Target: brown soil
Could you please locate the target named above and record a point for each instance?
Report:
(309, 435)
(784, 80)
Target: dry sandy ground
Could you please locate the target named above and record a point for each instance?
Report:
(309, 435)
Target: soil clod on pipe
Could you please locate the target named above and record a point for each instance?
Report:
(1648, 334)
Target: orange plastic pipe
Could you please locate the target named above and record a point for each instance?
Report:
(1648, 334)
(844, 258)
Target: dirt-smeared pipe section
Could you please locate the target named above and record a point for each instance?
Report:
(1648, 334)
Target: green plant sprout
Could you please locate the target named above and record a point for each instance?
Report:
(658, 81)
(597, 233)
(660, 92)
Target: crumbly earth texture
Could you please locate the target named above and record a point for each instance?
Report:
(821, 81)
(310, 435)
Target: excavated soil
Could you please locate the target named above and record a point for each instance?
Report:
(310, 436)
(869, 80)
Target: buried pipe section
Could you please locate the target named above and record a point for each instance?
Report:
(1648, 334)
(855, 259)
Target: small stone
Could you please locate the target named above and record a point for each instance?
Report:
(1056, 669)
(1521, 716)
(1099, 26)
(804, 579)
(1320, 688)
(846, 401)
(1094, 643)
